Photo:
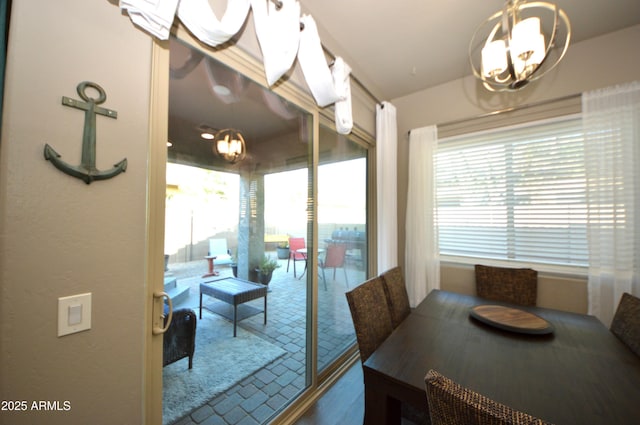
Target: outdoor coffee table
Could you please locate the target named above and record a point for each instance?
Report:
(234, 291)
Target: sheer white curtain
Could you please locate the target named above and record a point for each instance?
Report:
(611, 124)
(387, 187)
(422, 260)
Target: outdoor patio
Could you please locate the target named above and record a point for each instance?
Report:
(256, 398)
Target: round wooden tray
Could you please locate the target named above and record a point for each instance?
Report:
(511, 319)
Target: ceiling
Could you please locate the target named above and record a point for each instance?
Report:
(205, 95)
(393, 50)
(402, 47)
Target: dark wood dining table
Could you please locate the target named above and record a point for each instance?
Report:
(579, 374)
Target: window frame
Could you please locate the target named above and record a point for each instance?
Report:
(577, 270)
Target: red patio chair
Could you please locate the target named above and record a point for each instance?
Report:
(334, 258)
(294, 245)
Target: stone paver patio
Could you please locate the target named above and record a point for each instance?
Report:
(257, 398)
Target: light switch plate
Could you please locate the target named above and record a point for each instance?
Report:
(74, 314)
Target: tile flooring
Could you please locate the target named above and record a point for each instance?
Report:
(259, 397)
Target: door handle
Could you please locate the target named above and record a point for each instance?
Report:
(158, 326)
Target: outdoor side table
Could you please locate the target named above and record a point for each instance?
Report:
(304, 253)
(212, 272)
(234, 291)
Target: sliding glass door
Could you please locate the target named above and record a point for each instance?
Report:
(342, 239)
(291, 215)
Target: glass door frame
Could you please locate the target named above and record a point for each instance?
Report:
(346, 359)
(251, 68)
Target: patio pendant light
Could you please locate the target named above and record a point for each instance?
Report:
(511, 48)
(229, 144)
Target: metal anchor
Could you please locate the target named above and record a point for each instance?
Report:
(87, 170)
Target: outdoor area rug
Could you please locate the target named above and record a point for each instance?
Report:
(220, 361)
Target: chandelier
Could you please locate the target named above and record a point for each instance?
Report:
(511, 48)
(229, 144)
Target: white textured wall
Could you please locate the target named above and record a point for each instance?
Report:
(600, 62)
(59, 236)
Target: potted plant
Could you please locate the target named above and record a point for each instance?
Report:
(283, 250)
(266, 268)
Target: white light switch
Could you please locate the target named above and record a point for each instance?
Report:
(74, 314)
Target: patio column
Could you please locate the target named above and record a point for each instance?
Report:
(250, 224)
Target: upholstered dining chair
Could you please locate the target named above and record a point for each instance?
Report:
(626, 322)
(370, 315)
(511, 285)
(294, 245)
(452, 404)
(372, 322)
(333, 259)
(395, 291)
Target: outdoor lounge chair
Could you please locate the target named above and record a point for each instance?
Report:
(218, 248)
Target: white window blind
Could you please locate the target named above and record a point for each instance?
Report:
(515, 193)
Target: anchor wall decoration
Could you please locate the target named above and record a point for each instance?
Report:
(87, 170)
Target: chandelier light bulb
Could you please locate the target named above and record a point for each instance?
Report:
(524, 39)
(229, 144)
(494, 58)
(223, 147)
